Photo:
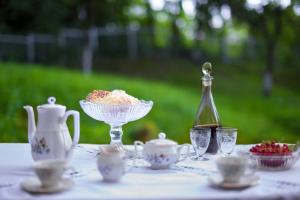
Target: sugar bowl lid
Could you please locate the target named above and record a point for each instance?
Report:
(162, 141)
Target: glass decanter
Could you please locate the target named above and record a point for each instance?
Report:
(207, 115)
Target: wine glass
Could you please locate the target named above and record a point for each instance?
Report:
(226, 138)
(200, 138)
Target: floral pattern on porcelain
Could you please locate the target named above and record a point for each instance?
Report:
(40, 146)
(161, 160)
(104, 169)
(111, 173)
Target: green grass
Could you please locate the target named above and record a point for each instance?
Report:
(176, 94)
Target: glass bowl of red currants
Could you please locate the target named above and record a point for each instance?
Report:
(273, 156)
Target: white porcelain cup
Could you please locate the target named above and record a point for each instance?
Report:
(233, 168)
(111, 163)
(50, 172)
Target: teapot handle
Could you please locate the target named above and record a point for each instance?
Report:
(186, 153)
(76, 124)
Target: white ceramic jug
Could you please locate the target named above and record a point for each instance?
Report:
(111, 163)
(51, 139)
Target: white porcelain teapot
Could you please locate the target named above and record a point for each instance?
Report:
(51, 139)
(162, 152)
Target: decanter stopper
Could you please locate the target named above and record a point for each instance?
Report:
(206, 69)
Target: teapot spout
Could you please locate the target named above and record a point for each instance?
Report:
(31, 122)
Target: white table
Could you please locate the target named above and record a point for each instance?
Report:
(186, 180)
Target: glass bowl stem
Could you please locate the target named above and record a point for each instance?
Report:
(116, 133)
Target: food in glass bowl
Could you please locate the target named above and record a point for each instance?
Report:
(115, 108)
(115, 97)
(274, 156)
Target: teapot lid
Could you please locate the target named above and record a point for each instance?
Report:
(162, 141)
(51, 104)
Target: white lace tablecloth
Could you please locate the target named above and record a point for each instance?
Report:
(186, 180)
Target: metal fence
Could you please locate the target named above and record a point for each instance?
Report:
(84, 48)
(81, 45)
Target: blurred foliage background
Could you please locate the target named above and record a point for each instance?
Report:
(153, 49)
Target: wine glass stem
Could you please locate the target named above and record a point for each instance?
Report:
(116, 133)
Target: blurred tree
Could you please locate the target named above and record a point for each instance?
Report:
(52, 15)
(176, 13)
(32, 15)
(265, 21)
(104, 12)
(290, 40)
(203, 17)
(141, 14)
(206, 11)
(150, 22)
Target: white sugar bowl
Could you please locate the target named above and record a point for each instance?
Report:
(162, 152)
(111, 163)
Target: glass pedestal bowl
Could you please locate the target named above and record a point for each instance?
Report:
(116, 116)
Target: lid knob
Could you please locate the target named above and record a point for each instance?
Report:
(162, 136)
(51, 100)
